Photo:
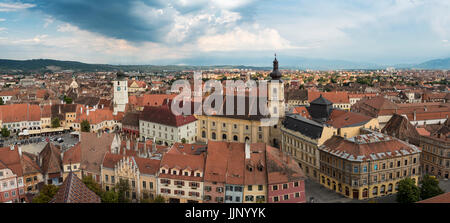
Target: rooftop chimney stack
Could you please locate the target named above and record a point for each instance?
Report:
(247, 149)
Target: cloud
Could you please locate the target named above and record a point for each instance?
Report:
(2, 20)
(245, 39)
(11, 7)
(171, 22)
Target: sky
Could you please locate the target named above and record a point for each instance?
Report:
(246, 32)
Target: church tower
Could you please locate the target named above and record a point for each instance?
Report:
(120, 88)
(276, 104)
(275, 92)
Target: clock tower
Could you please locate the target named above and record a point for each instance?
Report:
(120, 88)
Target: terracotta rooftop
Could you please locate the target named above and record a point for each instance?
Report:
(342, 119)
(73, 190)
(11, 159)
(163, 115)
(93, 150)
(443, 198)
(19, 113)
(337, 97)
(50, 158)
(72, 155)
(374, 146)
(281, 168)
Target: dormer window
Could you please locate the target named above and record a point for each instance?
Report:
(163, 171)
(197, 174)
(186, 173)
(174, 172)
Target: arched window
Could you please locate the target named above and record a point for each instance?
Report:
(247, 139)
(382, 189)
(375, 191)
(235, 138)
(203, 134)
(390, 188)
(213, 135)
(224, 136)
(275, 110)
(365, 192)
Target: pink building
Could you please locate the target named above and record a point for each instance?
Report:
(11, 175)
(286, 181)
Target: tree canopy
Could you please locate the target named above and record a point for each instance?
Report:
(46, 194)
(429, 187)
(408, 192)
(85, 126)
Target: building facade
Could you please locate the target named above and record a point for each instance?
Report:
(367, 166)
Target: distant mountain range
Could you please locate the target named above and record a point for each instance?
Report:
(46, 65)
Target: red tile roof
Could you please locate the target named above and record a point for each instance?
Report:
(150, 99)
(281, 168)
(95, 117)
(73, 190)
(443, 198)
(19, 113)
(51, 159)
(341, 119)
(257, 174)
(367, 147)
(11, 159)
(337, 97)
(163, 115)
(72, 155)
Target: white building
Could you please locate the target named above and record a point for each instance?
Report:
(161, 124)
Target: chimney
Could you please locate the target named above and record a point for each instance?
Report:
(247, 149)
(128, 144)
(20, 151)
(153, 147)
(87, 112)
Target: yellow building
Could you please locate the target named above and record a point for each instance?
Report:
(302, 136)
(140, 173)
(32, 175)
(220, 128)
(367, 166)
(72, 161)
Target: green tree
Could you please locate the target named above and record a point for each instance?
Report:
(1, 101)
(159, 199)
(408, 192)
(110, 197)
(67, 100)
(46, 194)
(55, 123)
(92, 185)
(429, 187)
(123, 187)
(85, 126)
(5, 132)
(183, 140)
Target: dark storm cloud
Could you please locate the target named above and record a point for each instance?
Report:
(133, 20)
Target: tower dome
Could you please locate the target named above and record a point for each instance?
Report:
(276, 74)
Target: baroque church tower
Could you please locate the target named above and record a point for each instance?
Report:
(276, 103)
